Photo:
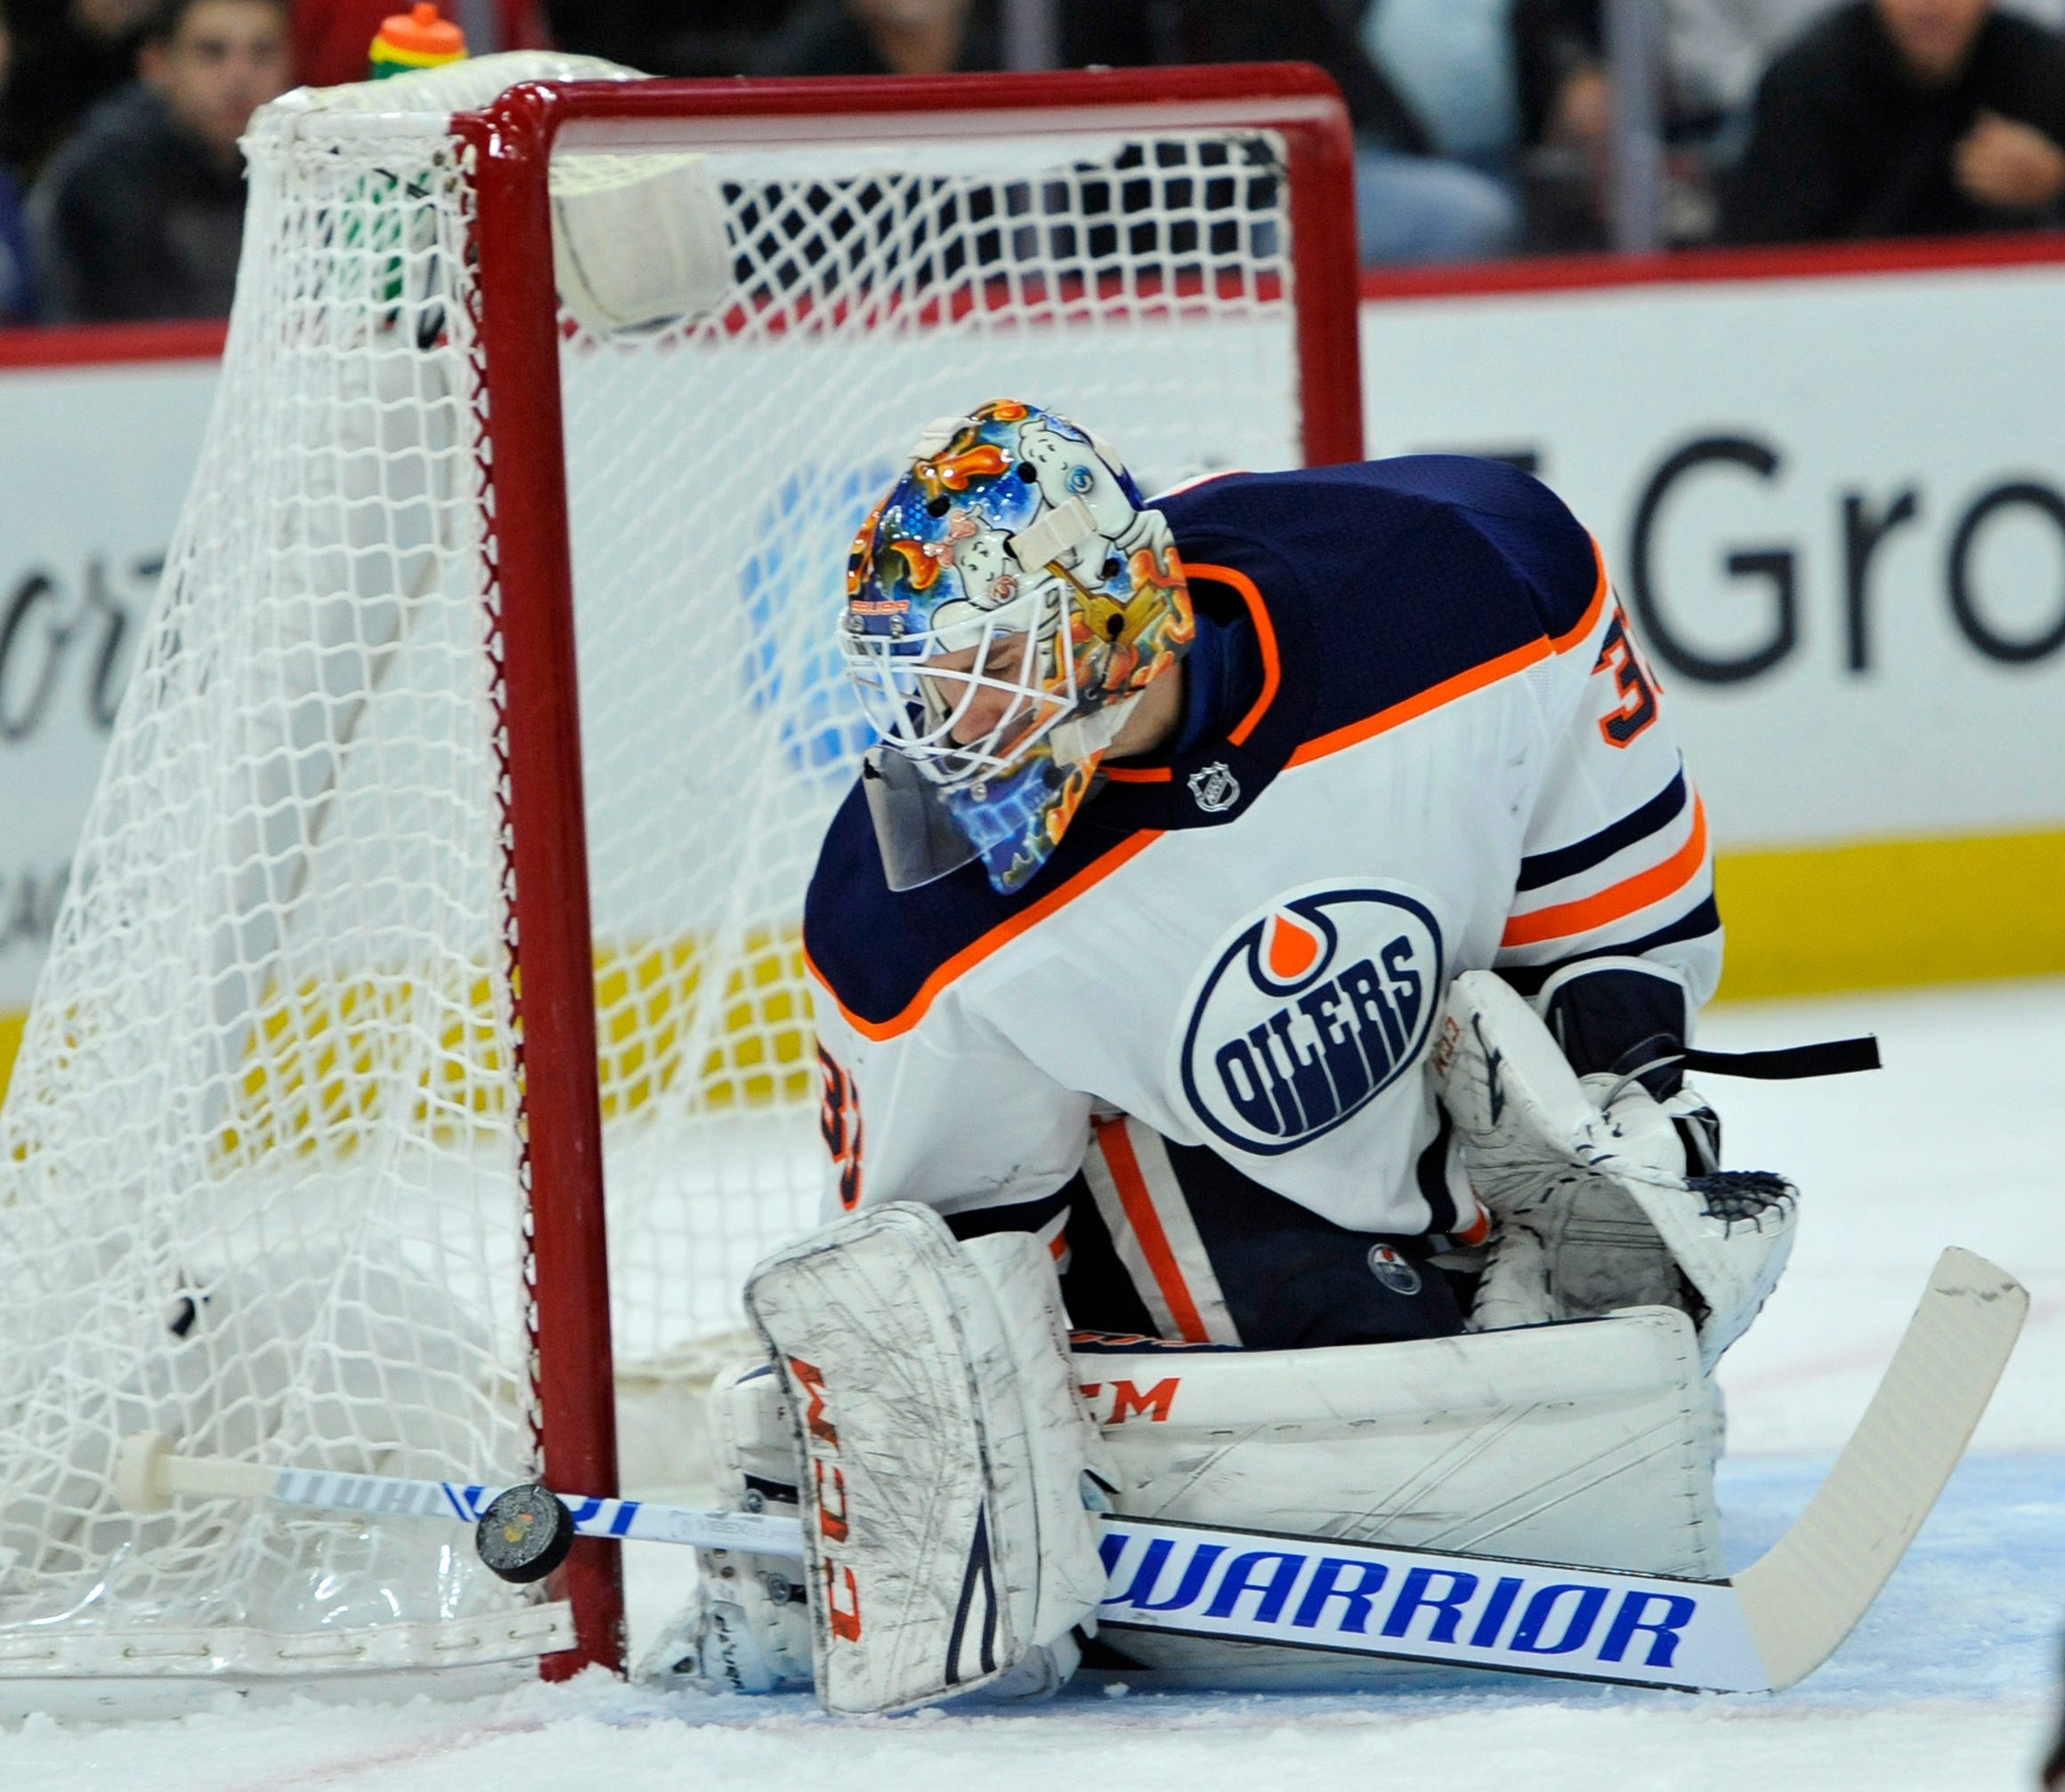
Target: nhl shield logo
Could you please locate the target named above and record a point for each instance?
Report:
(1214, 789)
(1307, 1012)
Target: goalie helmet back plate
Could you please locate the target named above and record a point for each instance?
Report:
(1006, 601)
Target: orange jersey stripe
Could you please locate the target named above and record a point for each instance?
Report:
(1266, 635)
(1583, 626)
(1146, 1223)
(1272, 672)
(1462, 684)
(977, 951)
(1566, 919)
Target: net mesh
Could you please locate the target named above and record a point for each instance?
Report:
(259, 1163)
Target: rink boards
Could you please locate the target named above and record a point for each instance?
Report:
(1832, 499)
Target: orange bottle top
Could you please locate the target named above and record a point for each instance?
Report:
(420, 38)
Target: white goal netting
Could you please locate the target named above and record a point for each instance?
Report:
(261, 1162)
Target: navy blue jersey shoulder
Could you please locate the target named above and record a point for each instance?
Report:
(1381, 581)
(876, 946)
(1408, 571)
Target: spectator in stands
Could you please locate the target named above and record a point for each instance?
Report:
(882, 38)
(1493, 79)
(16, 282)
(1452, 62)
(709, 37)
(1566, 107)
(1716, 49)
(1905, 117)
(69, 55)
(1514, 89)
(141, 214)
(331, 38)
(1413, 203)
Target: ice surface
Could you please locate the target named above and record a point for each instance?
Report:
(1959, 1141)
(1947, 1686)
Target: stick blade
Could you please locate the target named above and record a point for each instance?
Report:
(1803, 1597)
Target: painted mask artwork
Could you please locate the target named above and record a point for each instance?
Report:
(1006, 603)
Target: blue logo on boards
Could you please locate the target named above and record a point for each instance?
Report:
(1310, 1011)
(791, 588)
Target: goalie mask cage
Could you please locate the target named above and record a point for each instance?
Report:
(384, 941)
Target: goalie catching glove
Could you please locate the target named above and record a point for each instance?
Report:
(944, 1457)
(1587, 1179)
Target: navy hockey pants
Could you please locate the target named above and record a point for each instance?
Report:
(1171, 1242)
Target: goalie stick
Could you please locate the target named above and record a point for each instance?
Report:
(1764, 1629)
(148, 1474)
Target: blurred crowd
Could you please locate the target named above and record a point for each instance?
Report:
(1484, 127)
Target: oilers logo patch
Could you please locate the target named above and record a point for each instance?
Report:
(1394, 1271)
(1309, 1012)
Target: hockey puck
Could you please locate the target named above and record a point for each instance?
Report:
(524, 1534)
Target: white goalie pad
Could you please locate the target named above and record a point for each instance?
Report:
(639, 241)
(1602, 1194)
(1590, 1443)
(943, 1453)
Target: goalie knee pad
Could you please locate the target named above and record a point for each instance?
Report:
(1612, 1219)
(945, 1451)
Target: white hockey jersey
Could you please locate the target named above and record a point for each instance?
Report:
(1452, 759)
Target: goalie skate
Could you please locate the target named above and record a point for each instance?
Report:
(746, 1629)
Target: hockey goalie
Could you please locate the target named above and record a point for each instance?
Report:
(1256, 967)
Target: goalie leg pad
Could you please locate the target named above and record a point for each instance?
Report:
(1588, 1444)
(944, 1450)
(1591, 1443)
(1603, 1192)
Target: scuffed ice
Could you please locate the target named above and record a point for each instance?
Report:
(1949, 1682)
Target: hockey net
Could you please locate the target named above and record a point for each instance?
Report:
(283, 1166)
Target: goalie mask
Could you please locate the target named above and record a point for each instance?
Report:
(1006, 604)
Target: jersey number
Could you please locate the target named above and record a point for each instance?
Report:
(840, 1119)
(1638, 704)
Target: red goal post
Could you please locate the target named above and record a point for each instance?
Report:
(513, 139)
